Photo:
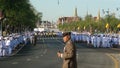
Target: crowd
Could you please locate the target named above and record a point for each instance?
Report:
(97, 40)
(13, 41)
(102, 40)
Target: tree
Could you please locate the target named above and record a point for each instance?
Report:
(91, 25)
(18, 13)
(88, 18)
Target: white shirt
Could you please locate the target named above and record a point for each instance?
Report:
(7, 42)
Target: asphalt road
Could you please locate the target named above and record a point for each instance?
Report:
(43, 55)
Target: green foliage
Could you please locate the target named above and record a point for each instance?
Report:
(89, 24)
(18, 13)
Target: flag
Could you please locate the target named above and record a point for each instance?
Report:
(78, 28)
(84, 28)
(118, 26)
(107, 26)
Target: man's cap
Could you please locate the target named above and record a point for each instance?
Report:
(66, 33)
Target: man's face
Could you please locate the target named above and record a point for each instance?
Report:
(65, 38)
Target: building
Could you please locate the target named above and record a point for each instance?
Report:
(45, 24)
(69, 19)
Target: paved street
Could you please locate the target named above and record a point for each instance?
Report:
(43, 55)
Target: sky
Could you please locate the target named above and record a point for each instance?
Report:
(54, 9)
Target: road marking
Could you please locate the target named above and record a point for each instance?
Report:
(115, 60)
(15, 63)
(28, 59)
(41, 55)
(45, 51)
(37, 57)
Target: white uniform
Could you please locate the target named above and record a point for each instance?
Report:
(31, 39)
(1, 48)
(115, 41)
(8, 47)
(95, 41)
(77, 37)
(88, 39)
(119, 40)
(112, 42)
(98, 41)
(103, 42)
(108, 41)
(25, 39)
(92, 38)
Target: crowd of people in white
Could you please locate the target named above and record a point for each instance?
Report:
(97, 40)
(10, 43)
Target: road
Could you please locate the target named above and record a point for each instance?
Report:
(43, 55)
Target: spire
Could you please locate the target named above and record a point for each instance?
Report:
(98, 17)
(87, 13)
(76, 12)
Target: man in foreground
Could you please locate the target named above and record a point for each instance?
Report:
(69, 52)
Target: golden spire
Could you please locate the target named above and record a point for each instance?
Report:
(87, 13)
(98, 17)
(76, 12)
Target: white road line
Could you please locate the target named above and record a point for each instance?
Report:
(28, 59)
(41, 55)
(45, 51)
(37, 57)
(42, 48)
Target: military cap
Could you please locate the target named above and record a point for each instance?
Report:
(66, 33)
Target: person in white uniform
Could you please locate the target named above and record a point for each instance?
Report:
(8, 47)
(119, 40)
(103, 41)
(3, 47)
(0, 47)
(98, 41)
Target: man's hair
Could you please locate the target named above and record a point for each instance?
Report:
(66, 34)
